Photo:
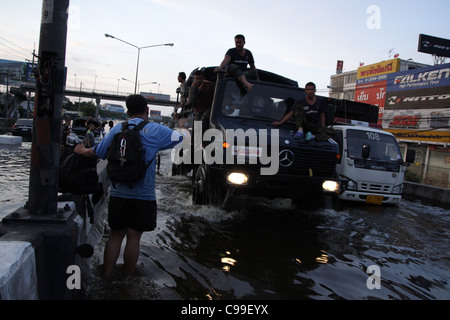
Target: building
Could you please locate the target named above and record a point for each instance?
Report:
(366, 82)
(113, 107)
(15, 73)
(414, 105)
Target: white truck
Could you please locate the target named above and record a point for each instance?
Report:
(371, 166)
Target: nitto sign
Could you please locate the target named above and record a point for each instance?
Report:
(434, 45)
(396, 100)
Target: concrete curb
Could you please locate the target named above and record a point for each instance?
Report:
(431, 194)
(35, 252)
(18, 275)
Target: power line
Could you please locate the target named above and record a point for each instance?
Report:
(26, 50)
(22, 58)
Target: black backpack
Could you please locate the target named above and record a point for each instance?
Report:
(126, 163)
(77, 173)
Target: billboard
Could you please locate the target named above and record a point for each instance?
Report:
(434, 45)
(155, 96)
(374, 71)
(16, 72)
(417, 105)
(371, 83)
(339, 66)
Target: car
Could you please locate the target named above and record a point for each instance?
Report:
(78, 133)
(23, 128)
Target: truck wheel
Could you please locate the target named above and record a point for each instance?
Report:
(175, 170)
(200, 186)
(216, 191)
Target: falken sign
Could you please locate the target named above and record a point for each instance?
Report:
(417, 105)
(436, 76)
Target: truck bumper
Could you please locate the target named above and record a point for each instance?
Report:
(372, 198)
(271, 186)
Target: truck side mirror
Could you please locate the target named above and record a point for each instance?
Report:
(365, 151)
(410, 156)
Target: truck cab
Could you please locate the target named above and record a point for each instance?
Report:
(371, 167)
(242, 152)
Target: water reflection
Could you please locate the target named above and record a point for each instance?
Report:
(14, 173)
(227, 262)
(323, 258)
(265, 250)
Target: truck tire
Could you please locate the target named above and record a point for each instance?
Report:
(216, 191)
(200, 186)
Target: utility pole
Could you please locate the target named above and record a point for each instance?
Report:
(47, 117)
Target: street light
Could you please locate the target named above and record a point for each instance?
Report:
(139, 52)
(127, 80)
(141, 84)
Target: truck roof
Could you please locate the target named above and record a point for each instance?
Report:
(264, 75)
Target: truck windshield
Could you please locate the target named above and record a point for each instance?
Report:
(382, 146)
(263, 102)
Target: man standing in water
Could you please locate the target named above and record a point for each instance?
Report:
(132, 209)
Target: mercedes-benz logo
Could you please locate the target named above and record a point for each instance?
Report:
(286, 158)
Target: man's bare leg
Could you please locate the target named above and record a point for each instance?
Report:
(131, 253)
(112, 251)
(245, 83)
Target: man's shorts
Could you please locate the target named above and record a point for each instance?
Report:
(139, 215)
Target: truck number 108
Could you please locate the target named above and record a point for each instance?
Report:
(373, 136)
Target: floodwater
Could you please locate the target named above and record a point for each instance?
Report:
(265, 249)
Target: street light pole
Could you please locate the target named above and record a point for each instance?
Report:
(139, 53)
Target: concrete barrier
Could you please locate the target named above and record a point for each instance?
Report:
(18, 276)
(10, 140)
(37, 253)
(440, 196)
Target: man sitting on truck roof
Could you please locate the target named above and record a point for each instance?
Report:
(237, 60)
(309, 112)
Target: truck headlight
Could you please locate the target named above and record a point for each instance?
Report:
(352, 185)
(330, 185)
(398, 189)
(237, 178)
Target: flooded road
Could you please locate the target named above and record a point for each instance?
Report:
(267, 250)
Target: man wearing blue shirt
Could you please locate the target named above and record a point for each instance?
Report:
(132, 210)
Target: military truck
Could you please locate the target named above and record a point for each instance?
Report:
(240, 151)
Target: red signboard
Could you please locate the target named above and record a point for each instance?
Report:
(372, 93)
(340, 66)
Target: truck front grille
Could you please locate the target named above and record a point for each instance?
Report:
(310, 163)
(374, 187)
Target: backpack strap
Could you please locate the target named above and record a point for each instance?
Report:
(124, 125)
(137, 127)
(140, 125)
